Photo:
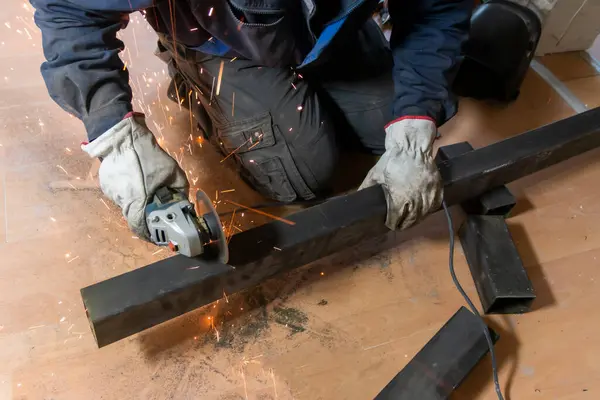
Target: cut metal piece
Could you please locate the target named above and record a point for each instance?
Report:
(147, 296)
(451, 151)
(445, 361)
(496, 201)
(497, 269)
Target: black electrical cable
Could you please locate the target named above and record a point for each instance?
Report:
(486, 331)
(470, 303)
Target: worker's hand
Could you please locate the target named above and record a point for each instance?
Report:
(407, 172)
(133, 168)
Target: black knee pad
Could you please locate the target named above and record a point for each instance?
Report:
(502, 41)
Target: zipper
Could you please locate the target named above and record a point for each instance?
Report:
(253, 11)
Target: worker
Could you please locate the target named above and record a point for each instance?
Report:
(286, 85)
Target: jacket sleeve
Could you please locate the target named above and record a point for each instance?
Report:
(426, 43)
(83, 71)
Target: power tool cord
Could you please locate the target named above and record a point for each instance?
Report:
(486, 331)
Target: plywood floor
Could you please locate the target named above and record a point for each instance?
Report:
(338, 329)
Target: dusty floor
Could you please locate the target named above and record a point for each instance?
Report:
(339, 329)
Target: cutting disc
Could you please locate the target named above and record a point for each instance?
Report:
(207, 212)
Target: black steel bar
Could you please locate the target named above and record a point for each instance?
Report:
(139, 299)
(475, 172)
(443, 363)
(496, 201)
(497, 269)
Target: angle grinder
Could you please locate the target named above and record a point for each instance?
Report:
(174, 222)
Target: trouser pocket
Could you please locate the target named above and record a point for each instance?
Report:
(264, 158)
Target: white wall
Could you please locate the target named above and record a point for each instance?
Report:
(568, 24)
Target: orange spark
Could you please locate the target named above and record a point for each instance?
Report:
(191, 117)
(137, 50)
(230, 230)
(64, 170)
(220, 77)
(212, 88)
(285, 221)
(240, 146)
(105, 205)
(244, 379)
(273, 379)
(178, 97)
(254, 145)
(173, 26)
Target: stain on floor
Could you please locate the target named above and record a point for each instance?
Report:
(291, 318)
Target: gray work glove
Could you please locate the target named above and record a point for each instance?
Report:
(133, 168)
(410, 179)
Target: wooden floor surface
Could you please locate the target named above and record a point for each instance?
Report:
(338, 329)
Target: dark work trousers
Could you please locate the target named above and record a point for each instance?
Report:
(286, 129)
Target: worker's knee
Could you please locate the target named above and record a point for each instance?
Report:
(282, 163)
